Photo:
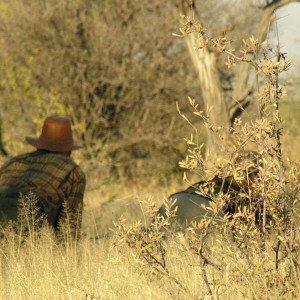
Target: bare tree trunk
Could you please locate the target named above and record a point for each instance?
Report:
(205, 63)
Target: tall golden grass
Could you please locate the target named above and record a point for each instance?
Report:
(38, 267)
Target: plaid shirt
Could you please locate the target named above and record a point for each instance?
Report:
(54, 178)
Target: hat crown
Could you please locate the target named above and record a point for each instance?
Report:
(57, 130)
(56, 136)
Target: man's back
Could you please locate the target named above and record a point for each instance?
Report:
(53, 177)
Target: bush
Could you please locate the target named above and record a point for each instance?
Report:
(110, 66)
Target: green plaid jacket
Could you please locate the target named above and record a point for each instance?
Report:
(55, 179)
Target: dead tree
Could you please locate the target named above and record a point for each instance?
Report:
(205, 62)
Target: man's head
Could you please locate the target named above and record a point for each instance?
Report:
(56, 136)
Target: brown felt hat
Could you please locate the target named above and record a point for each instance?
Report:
(56, 136)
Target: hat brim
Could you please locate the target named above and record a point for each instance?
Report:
(42, 145)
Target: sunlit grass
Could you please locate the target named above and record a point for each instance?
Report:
(39, 268)
(98, 267)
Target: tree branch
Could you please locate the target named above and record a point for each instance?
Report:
(243, 89)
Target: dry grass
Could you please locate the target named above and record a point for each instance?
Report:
(90, 270)
(93, 269)
(40, 268)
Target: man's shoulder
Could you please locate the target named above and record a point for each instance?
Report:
(47, 158)
(79, 173)
(66, 162)
(52, 156)
(14, 159)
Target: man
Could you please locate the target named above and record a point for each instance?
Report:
(49, 173)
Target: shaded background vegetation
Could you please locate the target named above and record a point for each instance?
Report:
(112, 66)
